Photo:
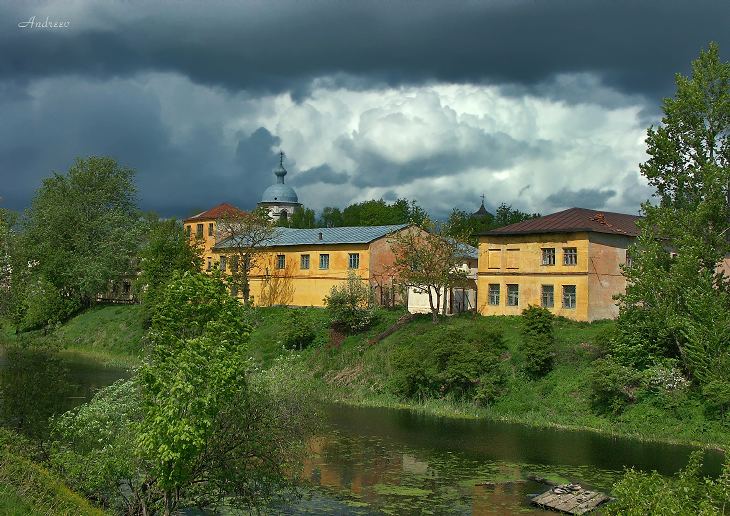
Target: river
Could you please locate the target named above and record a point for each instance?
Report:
(384, 461)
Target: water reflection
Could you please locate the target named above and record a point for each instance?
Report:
(397, 462)
(37, 383)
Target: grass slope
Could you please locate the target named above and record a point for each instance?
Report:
(358, 372)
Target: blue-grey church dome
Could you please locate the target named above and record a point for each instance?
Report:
(280, 192)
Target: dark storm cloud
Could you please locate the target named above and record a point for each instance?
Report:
(584, 198)
(45, 132)
(321, 174)
(282, 46)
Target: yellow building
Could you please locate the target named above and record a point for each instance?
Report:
(300, 266)
(568, 262)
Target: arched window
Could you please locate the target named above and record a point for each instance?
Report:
(283, 215)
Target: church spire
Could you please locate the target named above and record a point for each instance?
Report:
(281, 171)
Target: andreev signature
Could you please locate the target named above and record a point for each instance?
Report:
(34, 23)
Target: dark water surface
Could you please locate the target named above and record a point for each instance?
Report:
(374, 460)
(381, 461)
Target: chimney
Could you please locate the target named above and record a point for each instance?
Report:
(320, 235)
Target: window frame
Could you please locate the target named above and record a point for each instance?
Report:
(304, 262)
(574, 298)
(210, 229)
(544, 292)
(572, 253)
(223, 262)
(513, 295)
(353, 257)
(324, 261)
(491, 291)
(549, 253)
(209, 267)
(199, 230)
(280, 262)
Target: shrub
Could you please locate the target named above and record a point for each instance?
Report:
(450, 363)
(299, 332)
(538, 342)
(612, 385)
(686, 493)
(352, 305)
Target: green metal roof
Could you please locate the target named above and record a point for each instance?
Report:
(323, 236)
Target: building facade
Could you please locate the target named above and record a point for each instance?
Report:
(568, 262)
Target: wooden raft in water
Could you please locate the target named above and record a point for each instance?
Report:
(570, 498)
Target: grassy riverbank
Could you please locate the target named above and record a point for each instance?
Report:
(358, 372)
(27, 488)
(108, 334)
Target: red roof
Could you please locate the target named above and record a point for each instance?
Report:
(222, 210)
(573, 221)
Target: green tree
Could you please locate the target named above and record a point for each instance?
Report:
(463, 223)
(81, 231)
(330, 218)
(677, 303)
(538, 341)
(209, 433)
(506, 215)
(7, 220)
(351, 305)
(166, 250)
(302, 218)
(429, 259)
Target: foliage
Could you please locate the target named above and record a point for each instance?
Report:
(330, 218)
(80, 232)
(29, 488)
(430, 260)
(611, 385)
(90, 447)
(451, 364)
(166, 249)
(7, 220)
(351, 305)
(209, 433)
(463, 223)
(373, 213)
(538, 342)
(247, 237)
(302, 218)
(37, 303)
(639, 493)
(677, 303)
(299, 332)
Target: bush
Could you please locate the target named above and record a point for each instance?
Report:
(38, 304)
(450, 363)
(639, 493)
(612, 385)
(538, 342)
(299, 332)
(352, 305)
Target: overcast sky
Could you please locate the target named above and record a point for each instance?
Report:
(543, 104)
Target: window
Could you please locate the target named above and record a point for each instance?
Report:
(570, 256)
(199, 231)
(188, 229)
(354, 262)
(280, 261)
(568, 296)
(548, 256)
(494, 258)
(127, 287)
(513, 295)
(324, 261)
(547, 297)
(494, 294)
(223, 263)
(234, 264)
(512, 258)
(210, 263)
(304, 261)
(629, 261)
(210, 229)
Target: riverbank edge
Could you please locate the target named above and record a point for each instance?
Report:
(447, 409)
(39, 489)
